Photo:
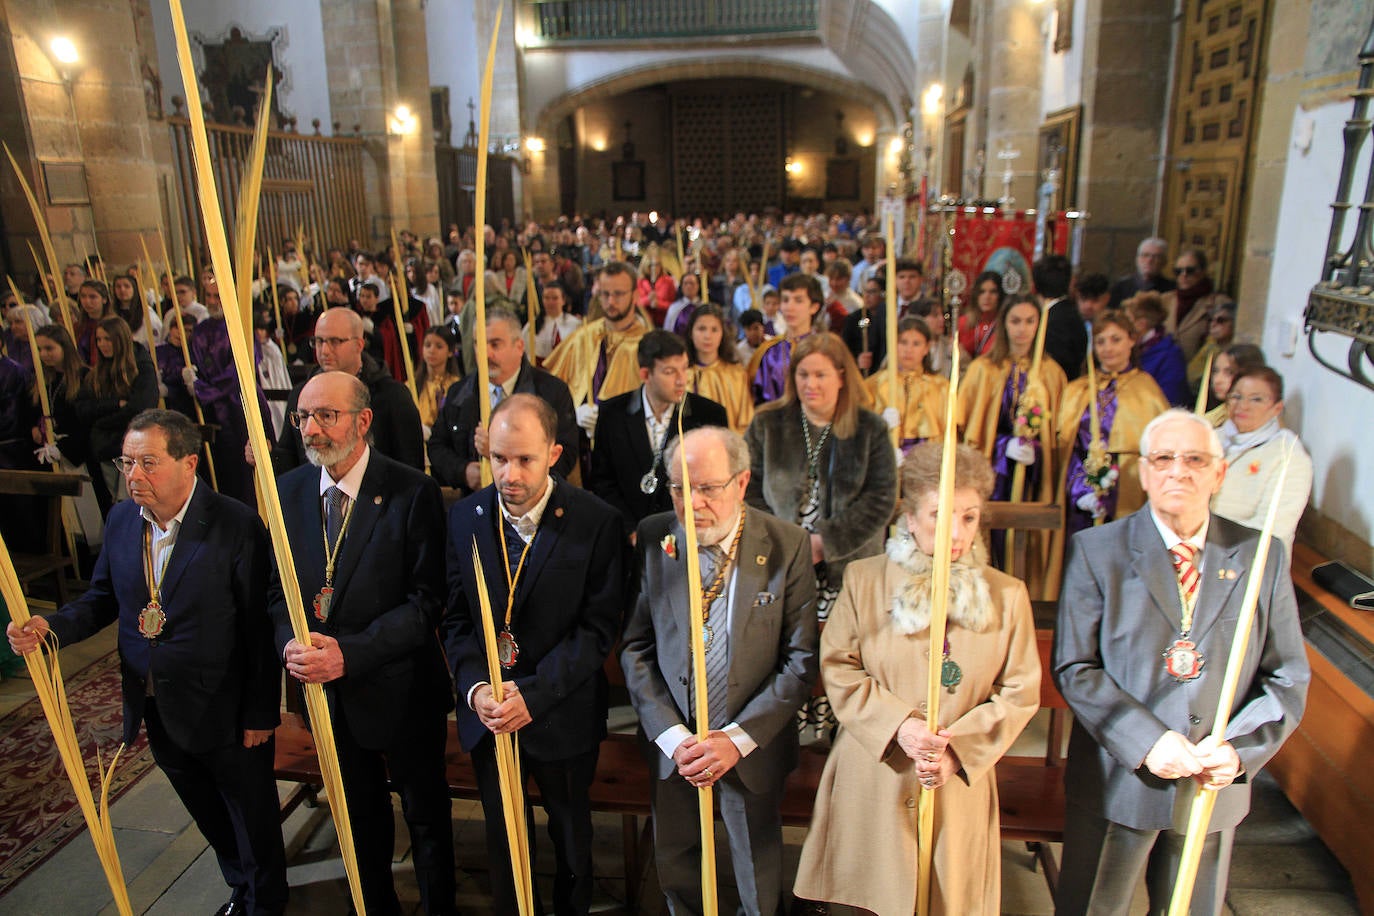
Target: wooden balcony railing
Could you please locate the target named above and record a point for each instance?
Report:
(556, 21)
(312, 182)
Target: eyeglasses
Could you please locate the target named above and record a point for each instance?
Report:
(1254, 400)
(126, 465)
(324, 417)
(1193, 461)
(331, 342)
(706, 490)
(1188, 269)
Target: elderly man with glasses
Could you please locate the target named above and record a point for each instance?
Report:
(338, 345)
(184, 571)
(1146, 620)
(368, 539)
(759, 601)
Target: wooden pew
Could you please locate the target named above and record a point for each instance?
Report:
(1324, 768)
(53, 562)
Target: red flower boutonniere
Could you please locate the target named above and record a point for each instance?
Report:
(669, 545)
(1254, 467)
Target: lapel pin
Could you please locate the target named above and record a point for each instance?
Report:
(479, 510)
(760, 560)
(1230, 573)
(376, 500)
(558, 513)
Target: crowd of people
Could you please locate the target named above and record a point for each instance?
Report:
(756, 351)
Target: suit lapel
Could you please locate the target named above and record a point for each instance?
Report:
(638, 431)
(367, 508)
(1150, 562)
(751, 578)
(486, 526)
(1222, 568)
(194, 528)
(308, 549)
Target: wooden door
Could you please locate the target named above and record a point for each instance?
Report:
(1220, 67)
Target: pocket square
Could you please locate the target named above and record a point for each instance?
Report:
(763, 598)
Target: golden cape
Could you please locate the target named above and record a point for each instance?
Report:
(574, 360)
(921, 401)
(1138, 401)
(728, 385)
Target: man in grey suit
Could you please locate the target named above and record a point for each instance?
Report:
(1146, 619)
(759, 592)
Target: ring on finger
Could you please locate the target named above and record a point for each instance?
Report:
(708, 775)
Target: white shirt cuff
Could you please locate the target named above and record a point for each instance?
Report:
(472, 690)
(674, 735)
(671, 738)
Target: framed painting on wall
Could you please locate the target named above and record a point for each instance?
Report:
(627, 179)
(1058, 148)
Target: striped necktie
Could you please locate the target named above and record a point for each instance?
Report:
(1184, 556)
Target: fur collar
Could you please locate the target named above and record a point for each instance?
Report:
(970, 600)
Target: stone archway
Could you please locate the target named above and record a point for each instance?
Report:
(713, 67)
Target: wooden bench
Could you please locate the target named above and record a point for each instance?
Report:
(1324, 768)
(1031, 789)
(51, 487)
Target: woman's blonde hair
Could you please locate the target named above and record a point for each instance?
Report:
(921, 472)
(853, 393)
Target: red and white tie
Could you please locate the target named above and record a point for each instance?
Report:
(1184, 556)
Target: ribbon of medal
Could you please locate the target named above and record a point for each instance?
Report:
(325, 596)
(507, 649)
(152, 618)
(1182, 660)
(648, 484)
(710, 593)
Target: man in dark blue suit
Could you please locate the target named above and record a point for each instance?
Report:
(368, 535)
(563, 550)
(184, 571)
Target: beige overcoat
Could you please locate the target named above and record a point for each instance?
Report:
(861, 850)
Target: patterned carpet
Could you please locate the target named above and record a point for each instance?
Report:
(38, 810)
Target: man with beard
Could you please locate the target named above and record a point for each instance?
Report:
(373, 641)
(760, 653)
(600, 359)
(338, 344)
(552, 557)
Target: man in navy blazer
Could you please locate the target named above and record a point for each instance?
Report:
(184, 570)
(634, 430)
(367, 534)
(458, 441)
(1140, 653)
(564, 549)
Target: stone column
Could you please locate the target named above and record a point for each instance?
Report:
(1011, 45)
(1126, 61)
(96, 117)
(377, 60)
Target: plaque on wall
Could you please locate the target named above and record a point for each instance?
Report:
(65, 183)
(627, 179)
(842, 179)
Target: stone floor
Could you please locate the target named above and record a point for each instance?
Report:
(1279, 866)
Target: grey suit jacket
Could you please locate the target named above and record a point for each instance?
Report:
(1118, 612)
(773, 640)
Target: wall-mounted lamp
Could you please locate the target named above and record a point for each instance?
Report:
(403, 121)
(793, 167)
(65, 55)
(932, 98)
(534, 144)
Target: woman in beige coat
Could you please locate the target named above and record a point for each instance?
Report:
(875, 653)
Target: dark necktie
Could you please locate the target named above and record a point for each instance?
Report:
(333, 514)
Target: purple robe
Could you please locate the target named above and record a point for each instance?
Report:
(18, 350)
(1006, 422)
(770, 381)
(217, 389)
(1077, 485)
